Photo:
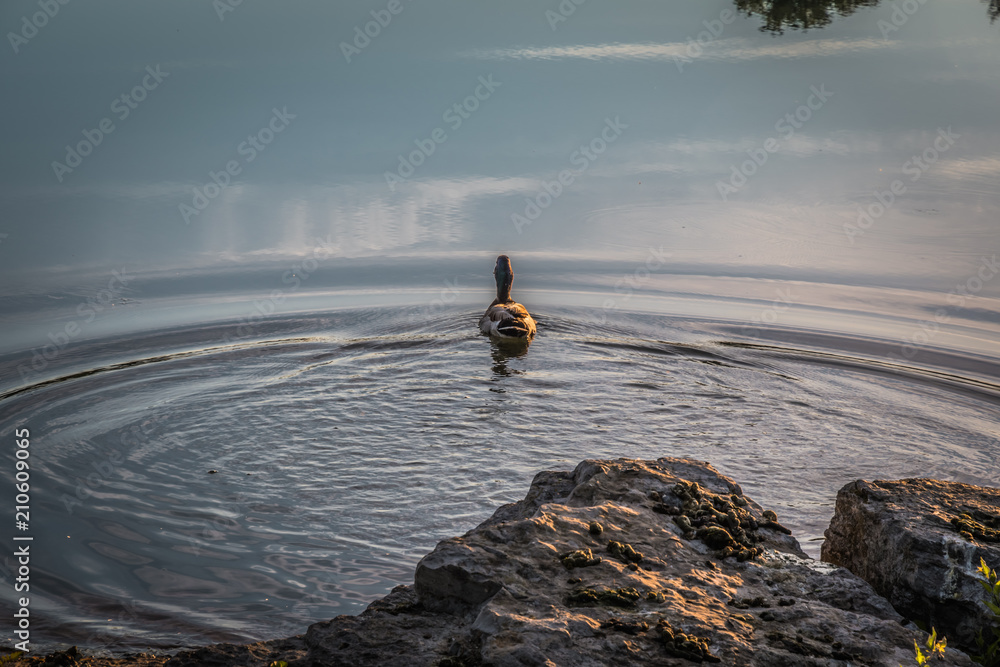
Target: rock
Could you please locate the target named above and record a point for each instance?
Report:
(261, 654)
(685, 569)
(802, 612)
(396, 631)
(579, 558)
(918, 542)
(72, 657)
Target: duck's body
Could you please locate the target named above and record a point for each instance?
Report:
(506, 320)
(509, 320)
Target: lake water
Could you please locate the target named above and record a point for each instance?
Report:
(771, 249)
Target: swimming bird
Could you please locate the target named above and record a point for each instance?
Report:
(506, 320)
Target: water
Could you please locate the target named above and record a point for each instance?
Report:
(801, 301)
(349, 440)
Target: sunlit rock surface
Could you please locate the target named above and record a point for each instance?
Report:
(919, 542)
(619, 562)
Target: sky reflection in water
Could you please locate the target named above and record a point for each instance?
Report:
(690, 122)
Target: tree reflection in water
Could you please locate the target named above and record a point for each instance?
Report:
(780, 15)
(800, 14)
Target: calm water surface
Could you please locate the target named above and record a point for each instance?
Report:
(771, 249)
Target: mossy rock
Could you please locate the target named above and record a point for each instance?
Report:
(722, 522)
(579, 558)
(624, 598)
(716, 537)
(629, 627)
(656, 596)
(624, 552)
(682, 645)
(969, 528)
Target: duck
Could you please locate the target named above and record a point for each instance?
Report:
(506, 320)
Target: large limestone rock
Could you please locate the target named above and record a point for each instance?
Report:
(619, 562)
(918, 542)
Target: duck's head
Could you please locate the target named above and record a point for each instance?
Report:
(504, 275)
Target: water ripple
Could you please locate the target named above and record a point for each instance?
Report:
(343, 455)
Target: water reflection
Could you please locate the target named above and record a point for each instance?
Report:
(501, 354)
(799, 14)
(805, 14)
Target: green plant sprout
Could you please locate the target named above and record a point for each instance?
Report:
(935, 648)
(989, 650)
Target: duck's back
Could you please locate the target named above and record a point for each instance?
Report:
(507, 320)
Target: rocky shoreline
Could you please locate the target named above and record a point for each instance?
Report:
(663, 562)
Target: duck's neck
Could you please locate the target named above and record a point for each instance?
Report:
(504, 283)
